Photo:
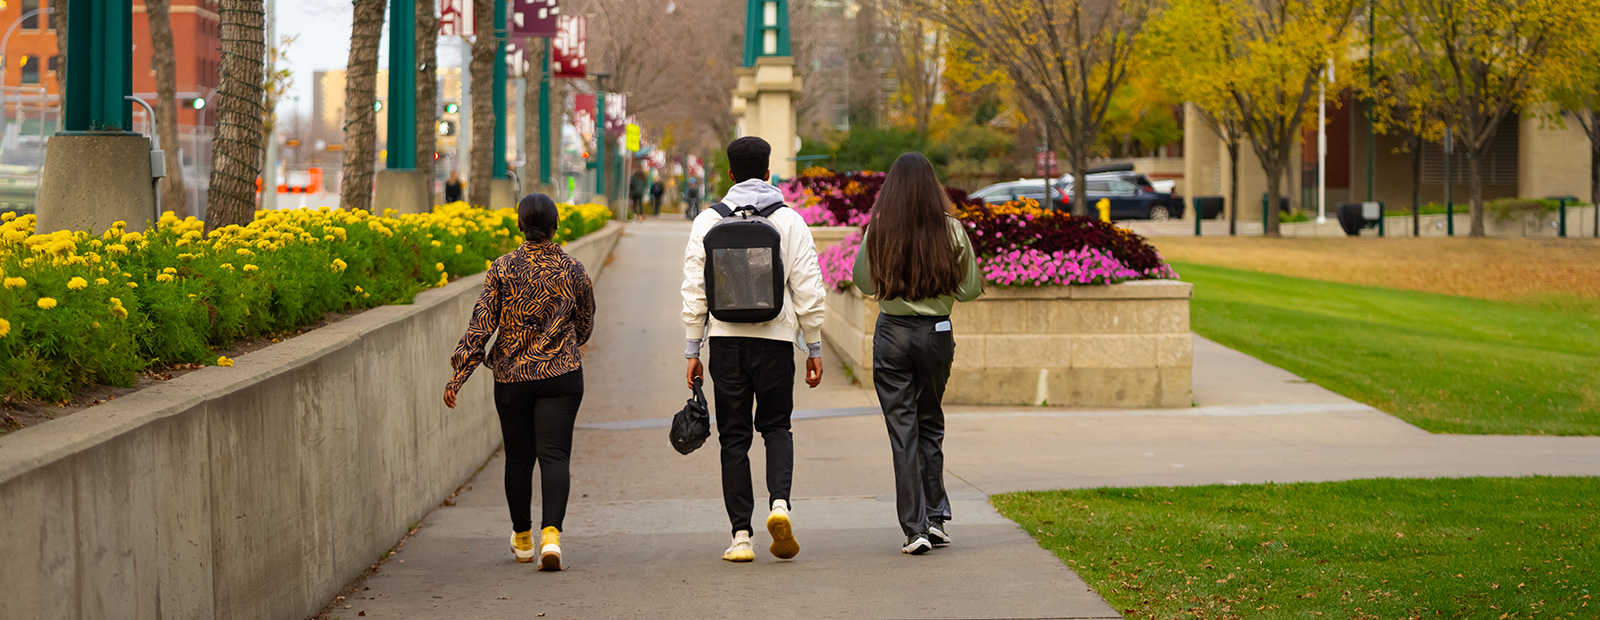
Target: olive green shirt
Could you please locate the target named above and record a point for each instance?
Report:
(971, 284)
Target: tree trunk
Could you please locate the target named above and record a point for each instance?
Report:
(173, 196)
(236, 148)
(360, 95)
(1475, 189)
(427, 91)
(1594, 170)
(1269, 222)
(1080, 182)
(1233, 189)
(482, 69)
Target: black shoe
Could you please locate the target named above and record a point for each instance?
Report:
(936, 534)
(917, 544)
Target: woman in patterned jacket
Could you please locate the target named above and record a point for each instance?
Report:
(542, 303)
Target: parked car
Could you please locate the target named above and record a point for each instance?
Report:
(1130, 201)
(1021, 188)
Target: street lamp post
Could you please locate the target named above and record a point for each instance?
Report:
(5, 67)
(600, 133)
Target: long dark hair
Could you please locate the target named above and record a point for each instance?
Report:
(908, 242)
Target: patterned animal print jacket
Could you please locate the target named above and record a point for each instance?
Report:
(542, 302)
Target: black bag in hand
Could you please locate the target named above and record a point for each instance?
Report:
(692, 425)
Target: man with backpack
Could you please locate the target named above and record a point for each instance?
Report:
(751, 283)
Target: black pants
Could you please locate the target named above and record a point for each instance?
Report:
(536, 420)
(910, 366)
(655, 202)
(753, 381)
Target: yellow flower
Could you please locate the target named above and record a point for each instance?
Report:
(436, 243)
(358, 288)
(132, 237)
(224, 361)
(101, 281)
(487, 263)
(165, 277)
(9, 215)
(228, 266)
(15, 283)
(339, 264)
(46, 303)
(251, 268)
(169, 270)
(133, 285)
(77, 283)
(117, 248)
(458, 248)
(245, 252)
(5, 326)
(438, 266)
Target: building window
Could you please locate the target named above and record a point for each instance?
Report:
(31, 22)
(55, 66)
(30, 69)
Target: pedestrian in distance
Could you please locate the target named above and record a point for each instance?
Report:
(541, 302)
(638, 186)
(452, 187)
(656, 191)
(691, 198)
(752, 363)
(917, 262)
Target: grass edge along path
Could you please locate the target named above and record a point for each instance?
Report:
(1486, 548)
(1443, 363)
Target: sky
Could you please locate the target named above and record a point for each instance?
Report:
(323, 28)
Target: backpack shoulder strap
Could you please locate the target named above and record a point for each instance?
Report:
(722, 209)
(768, 210)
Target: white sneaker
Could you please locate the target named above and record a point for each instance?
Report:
(740, 550)
(784, 546)
(936, 534)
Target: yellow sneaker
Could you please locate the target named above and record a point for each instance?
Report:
(550, 549)
(740, 550)
(522, 546)
(784, 546)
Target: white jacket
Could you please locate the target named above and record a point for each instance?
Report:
(805, 295)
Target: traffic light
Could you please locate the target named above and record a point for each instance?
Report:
(447, 128)
(377, 106)
(198, 103)
(452, 108)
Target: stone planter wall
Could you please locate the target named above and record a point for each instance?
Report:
(829, 236)
(1123, 345)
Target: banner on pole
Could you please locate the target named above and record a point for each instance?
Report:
(583, 116)
(616, 113)
(535, 18)
(518, 52)
(570, 48)
(635, 136)
(455, 18)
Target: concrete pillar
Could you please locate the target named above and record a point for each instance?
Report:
(404, 190)
(90, 181)
(768, 90)
(502, 194)
(1202, 152)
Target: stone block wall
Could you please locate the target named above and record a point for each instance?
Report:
(1124, 345)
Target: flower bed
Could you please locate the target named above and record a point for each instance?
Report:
(78, 310)
(826, 198)
(1019, 244)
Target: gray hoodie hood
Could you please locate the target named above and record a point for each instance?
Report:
(754, 192)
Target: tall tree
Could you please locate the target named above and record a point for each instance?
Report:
(1571, 81)
(427, 89)
(1065, 57)
(173, 196)
(236, 149)
(917, 48)
(537, 65)
(1479, 61)
(484, 55)
(360, 103)
(1402, 105)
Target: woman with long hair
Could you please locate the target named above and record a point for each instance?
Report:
(542, 303)
(917, 262)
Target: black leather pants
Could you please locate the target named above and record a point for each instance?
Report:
(910, 366)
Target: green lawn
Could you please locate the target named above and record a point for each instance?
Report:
(1446, 364)
(1458, 548)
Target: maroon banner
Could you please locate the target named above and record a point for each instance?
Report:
(616, 114)
(455, 18)
(570, 48)
(535, 18)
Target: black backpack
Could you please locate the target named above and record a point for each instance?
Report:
(692, 425)
(744, 265)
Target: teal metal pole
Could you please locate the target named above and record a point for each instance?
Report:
(1383, 220)
(600, 140)
(1563, 218)
(500, 89)
(1263, 214)
(1197, 214)
(544, 119)
(402, 139)
(101, 67)
(1450, 217)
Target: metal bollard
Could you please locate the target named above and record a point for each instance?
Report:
(1383, 219)
(1197, 215)
(1563, 218)
(1450, 217)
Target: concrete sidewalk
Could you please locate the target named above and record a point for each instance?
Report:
(646, 527)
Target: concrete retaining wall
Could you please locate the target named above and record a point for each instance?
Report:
(1124, 345)
(829, 236)
(256, 491)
